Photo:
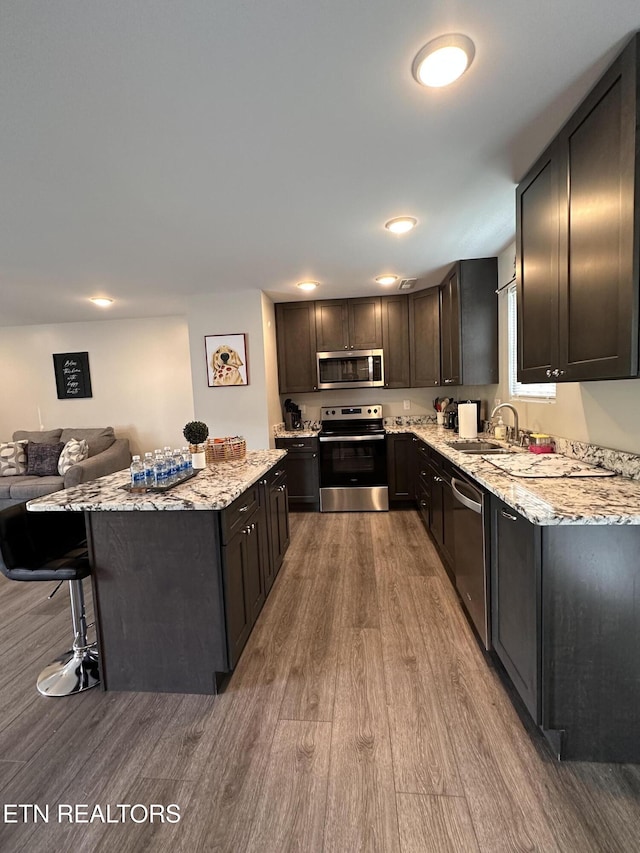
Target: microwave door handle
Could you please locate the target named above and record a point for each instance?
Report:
(370, 363)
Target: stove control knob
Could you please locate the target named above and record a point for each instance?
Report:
(368, 411)
(333, 412)
(375, 411)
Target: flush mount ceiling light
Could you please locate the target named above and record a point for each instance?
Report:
(102, 301)
(401, 224)
(307, 285)
(443, 60)
(386, 279)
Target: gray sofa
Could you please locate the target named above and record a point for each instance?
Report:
(107, 454)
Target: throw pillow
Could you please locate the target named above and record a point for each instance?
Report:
(13, 458)
(42, 459)
(74, 451)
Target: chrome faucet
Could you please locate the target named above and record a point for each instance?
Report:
(516, 430)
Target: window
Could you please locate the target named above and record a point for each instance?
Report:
(543, 392)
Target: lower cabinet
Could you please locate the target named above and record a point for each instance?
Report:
(515, 600)
(400, 467)
(441, 508)
(255, 537)
(277, 513)
(566, 627)
(302, 465)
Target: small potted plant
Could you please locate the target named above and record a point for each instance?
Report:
(196, 433)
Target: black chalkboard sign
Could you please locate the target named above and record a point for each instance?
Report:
(73, 379)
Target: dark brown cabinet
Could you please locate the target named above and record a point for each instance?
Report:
(469, 323)
(565, 625)
(246, 567)
(424, 338)
(395, 337)
(441, 508)
(577, 252)
(277, 513)
(400, 467)
(343, 324)
(296, 343)
(515, 600)
(303, 470)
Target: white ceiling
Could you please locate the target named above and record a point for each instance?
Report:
(151, 150)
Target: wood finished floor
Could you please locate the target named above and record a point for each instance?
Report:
(362, 717)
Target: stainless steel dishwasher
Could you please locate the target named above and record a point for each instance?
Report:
(472, 564)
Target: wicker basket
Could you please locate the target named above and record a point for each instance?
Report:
(225, 449)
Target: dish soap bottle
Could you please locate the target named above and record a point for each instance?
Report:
(500, 431)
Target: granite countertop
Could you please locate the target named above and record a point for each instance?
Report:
(214, 488)
(582, 500)
(296, 433)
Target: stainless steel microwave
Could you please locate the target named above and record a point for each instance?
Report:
(362, 368)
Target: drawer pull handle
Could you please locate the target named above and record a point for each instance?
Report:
(423, 473)
(244, 508)
(277, 474)
(423, 503)
(508, 515)
(437, 479)
(301, 444)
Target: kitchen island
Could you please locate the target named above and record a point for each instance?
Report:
(180, 577)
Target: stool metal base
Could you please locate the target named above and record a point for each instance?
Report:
(73, 672)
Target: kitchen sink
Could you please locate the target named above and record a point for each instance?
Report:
(478, 447)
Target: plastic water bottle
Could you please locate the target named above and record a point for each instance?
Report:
(180, 462)
(160, 468)
(137, 473)
(186, 455)
(172, 463)
(149, 472)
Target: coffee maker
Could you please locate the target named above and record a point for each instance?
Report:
(292, 416)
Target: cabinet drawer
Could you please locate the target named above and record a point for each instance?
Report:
(236, 515)
(309, 442)
(276, 475)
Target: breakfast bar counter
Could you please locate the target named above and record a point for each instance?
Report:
(179, 577)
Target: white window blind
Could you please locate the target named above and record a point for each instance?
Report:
(541, 391)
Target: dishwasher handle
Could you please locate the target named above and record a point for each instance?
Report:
(476, 506)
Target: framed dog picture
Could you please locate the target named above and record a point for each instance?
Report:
(226, 360)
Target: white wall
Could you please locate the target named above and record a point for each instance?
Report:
(603, 413)
(140, 378)
(274, 411)
(392, 399)
(239, 409)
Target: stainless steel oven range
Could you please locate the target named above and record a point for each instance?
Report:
(353, 459)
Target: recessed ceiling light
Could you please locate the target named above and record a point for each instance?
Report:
(102, 301)
(307, 285)
(401, 224)
(386, 279)
(443, 60)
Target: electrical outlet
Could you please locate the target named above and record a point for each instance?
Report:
(406, 404)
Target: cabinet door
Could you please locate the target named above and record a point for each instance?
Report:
(424, 338)
(598, 280)
(395, 341)
(235, 557)
(303, 473)
(332, 325)
(450, 329)
(537, 235)
(278, 526)
(515, 600)
(400, 467)
(296, 341)
(436, 510)
(365, 323)
(257, 556)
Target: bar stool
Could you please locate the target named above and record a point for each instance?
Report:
(49, 546)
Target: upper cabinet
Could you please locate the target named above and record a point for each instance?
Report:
(469, 323)
(296, 338)
(348, 324)
(395, 338)
(424, 338)
(577, 260)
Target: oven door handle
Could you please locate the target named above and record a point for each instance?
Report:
(352, 438)
(464, 500)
